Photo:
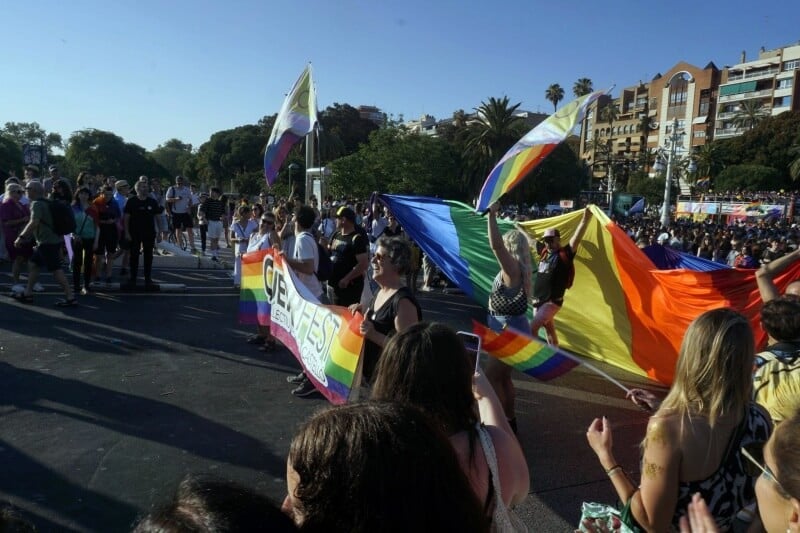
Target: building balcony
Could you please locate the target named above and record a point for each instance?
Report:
(722, 133)
(745, 96)
(754, 74)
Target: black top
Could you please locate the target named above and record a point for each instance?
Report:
(213, 209)
(383, 320)
(551, 279)
(344, 249)
(141, 216)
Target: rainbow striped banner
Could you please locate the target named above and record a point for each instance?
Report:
(531, 356)
(324, 338)
(532, 149)
(253, 303)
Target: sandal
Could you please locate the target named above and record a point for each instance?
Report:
(22, 298)
(72, 302)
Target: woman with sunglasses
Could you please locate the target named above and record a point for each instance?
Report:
(693, 441)
(776, 467)
(14, 215)
(393, 307)
(266, 237)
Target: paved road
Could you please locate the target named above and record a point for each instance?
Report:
(104, 407)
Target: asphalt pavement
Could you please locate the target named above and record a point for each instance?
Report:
(106, 406)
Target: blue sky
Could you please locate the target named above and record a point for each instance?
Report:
(152, 70)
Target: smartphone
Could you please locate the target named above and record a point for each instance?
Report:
(472, 345)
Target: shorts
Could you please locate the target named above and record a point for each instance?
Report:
(545, 313)
(182, 221)
(47, 256)
(214, 229)
(107, 243)
(518, 323)
(161, 222)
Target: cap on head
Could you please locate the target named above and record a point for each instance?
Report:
(551, 232)
(120, 184)
(346, 212)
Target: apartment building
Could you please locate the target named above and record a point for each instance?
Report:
(767, 84)
(645, 114)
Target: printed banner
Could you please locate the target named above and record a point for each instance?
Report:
(253, 303)
(324, 338)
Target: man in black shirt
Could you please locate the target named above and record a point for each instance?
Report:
(212, 211)
(140, 230)
(554, 277)
(349, 257)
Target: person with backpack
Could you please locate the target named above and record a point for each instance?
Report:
(776, 379)
(45, 227)
(555, 275)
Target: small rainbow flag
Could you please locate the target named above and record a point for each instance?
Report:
(532, 149)
(531, 356)
(253, 303)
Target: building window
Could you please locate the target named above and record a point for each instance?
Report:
(699, 134)
(791, 65)
(703, 108)
(785, 83)
(784, 101)
(681, 124)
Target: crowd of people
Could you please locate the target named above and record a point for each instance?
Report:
(434, 446)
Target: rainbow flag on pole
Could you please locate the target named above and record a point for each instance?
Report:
(531, 356)
(297, 118)
(253, 303)
(532, 149)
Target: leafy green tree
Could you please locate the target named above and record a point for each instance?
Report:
(708, 160)
(794, 166)
(236, 154)
(490, 136)
(103, 151)
(750, 113)
(173, 156)
(749, 178)
(651, 188)
(554, 94)
(31, 133)
(398, 161)
(581, 87)
(343, 130)
(609, 113)
(10, 156)
(560, 176)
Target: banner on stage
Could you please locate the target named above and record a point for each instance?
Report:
(324, 338)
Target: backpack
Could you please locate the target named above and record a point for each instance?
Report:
(570, 265)
(776, 380)
(63, 218)
(325, 265)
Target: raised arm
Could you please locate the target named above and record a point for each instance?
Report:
(766, 275)
(508, 264)
(576, 239)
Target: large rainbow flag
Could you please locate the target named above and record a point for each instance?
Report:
(325, 339)
(532, 149)
(621, 308)
(531, 356)
(297, 118)
(253, 303)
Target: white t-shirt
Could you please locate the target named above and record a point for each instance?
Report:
(259, 242)
(182, 205)
(305, 248)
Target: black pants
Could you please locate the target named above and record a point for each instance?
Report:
(82, 258)
(146, 243)
(203, 235)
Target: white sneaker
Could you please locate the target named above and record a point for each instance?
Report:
(38, 287)
(19, 287)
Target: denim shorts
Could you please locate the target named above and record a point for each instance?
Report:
(517, 323)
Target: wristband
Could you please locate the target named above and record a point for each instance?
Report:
(613, 468)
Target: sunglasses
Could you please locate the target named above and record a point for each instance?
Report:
(757, 467)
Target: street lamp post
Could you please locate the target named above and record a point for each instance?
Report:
(673, 147)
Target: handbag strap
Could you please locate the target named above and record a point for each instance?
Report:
(491, 461)
(80, 231)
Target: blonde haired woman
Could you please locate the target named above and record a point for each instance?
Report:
(693, 442)
(508, 301)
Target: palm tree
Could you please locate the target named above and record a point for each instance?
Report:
(581, 87)
(494, 131)
(707, 159)
(609, 113)
(794, 166)
(554, 94)
(750, 113)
